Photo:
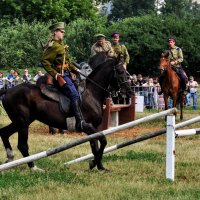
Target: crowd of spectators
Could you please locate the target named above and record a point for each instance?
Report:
(149, 88)
(13, 78)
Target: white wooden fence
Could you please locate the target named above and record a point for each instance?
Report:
(170, 144)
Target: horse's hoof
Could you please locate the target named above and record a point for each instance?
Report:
(92, 164)
(104, 170)
(100, 167)
(9, 160)
(37, 169)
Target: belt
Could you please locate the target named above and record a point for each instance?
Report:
(65, 66)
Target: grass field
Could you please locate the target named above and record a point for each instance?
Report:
(135, 172)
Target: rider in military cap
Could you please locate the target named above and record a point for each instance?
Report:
(57, 26)
(101, 45)
(120, 49)
(56, 62)
(176, 58)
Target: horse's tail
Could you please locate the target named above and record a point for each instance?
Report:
(2, 92)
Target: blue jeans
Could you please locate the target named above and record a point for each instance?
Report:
(194, 97)
(70, 90)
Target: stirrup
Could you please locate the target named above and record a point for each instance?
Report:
(85, 127)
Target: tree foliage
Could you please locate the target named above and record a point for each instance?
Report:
(45, 10)
(145, 37)
(130, 8)
(180, 8)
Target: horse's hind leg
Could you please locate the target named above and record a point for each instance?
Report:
(5, 133)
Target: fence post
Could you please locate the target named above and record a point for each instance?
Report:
(170, 147)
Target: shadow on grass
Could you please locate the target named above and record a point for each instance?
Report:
(132, 155)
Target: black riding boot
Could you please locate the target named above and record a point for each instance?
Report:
(81, 125)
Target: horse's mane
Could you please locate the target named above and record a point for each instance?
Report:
(101, 65)
(97, 59)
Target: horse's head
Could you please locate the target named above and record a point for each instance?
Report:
(164, 61)
(111, 73)
(120, 80)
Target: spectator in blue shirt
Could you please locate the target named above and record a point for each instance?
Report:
(10, 78)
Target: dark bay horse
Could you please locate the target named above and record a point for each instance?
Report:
(25, 103)
(171, 86)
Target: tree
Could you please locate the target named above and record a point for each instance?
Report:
(180, 8)
(45, 10)
(130, 8)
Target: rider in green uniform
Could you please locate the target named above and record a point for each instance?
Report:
(176, 58)
(56, 62)
(120, 49)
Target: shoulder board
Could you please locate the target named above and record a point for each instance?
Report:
(51, 44)
(178, 48)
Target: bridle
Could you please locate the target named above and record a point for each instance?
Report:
(116, 75)
(165, 66)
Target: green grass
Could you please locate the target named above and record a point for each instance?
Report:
(135, 172)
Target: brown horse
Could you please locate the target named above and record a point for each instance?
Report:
(171, 86)
(25, 103)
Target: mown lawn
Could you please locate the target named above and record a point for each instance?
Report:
(135, 172)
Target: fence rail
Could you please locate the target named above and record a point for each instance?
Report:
(155, 101)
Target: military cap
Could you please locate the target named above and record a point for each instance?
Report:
(172, 38)
(57, 26)
(100, 36)
(116, 34)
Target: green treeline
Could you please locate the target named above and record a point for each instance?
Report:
(145, 35)
(145, 38)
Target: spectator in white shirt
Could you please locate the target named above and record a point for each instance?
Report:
(26, 77)
(192, 92)
(2, 81)
(38, 75)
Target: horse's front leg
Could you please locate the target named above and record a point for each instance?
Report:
(182, 98)
(98, 153)
(95, 148)
(166, 103)
(103, 143)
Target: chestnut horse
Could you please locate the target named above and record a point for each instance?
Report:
(171, 86)
(25, 103)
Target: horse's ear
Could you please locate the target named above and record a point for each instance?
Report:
(165, 54)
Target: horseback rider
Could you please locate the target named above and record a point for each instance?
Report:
(176, 58)
(101, 45)
(55, 61)
(120, 49)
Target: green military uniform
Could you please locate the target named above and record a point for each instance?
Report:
(122, 51)
(56, 62)
(176, 54)
(53, 58)
(96, 48)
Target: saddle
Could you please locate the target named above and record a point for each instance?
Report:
(49, 89)
(54, 94)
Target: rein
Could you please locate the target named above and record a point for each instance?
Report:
(95, 83)
(98, 85)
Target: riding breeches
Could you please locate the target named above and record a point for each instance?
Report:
(183, 77)
(69, 89)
